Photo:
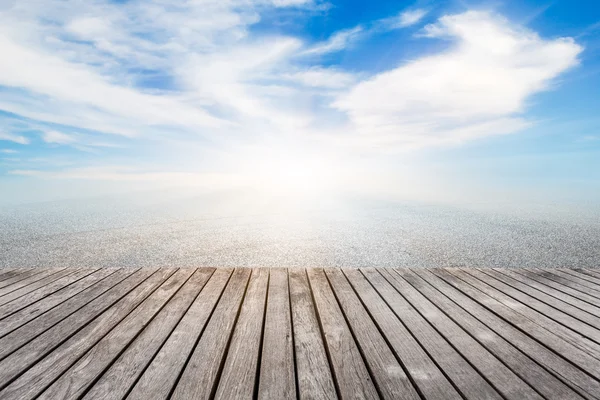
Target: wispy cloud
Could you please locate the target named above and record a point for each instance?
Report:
(14, 138)
(402, 20)
(337, 42)
(8, 151)
(58, 138)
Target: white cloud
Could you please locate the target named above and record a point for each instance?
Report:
(404, 19)
(476, 88)
(14, 138)
(411, 17)
(323, 78)
(8, 151)
(58, 138)
(337, 42)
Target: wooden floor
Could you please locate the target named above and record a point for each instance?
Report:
(299, 334)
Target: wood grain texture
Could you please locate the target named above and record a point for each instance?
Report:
(349, 369)
(565, 342)
(594, 282)
(39, 307)
(579, 305)
(240, 371)
(388, 373)
(74, 382)
(503, 379)
(20, 328)
(16, 276)
(200, 377)
(160, 377)
(466, 378)
(58, 348)
(277, 378)
(509, 286)
(9, 273)
(118, 379)
(424, 372)
(527, 369)
(568, 283)
(244, 333)
(42, 292)
(594, 272)
(315, 380)
(30, 284)
(464, 295)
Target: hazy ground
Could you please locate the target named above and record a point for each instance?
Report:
(231, 230)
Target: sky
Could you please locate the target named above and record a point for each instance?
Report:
(455, 100)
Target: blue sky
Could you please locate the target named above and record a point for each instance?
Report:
(455, 99)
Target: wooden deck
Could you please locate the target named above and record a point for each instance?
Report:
(299, 334)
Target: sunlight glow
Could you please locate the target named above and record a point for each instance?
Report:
(291, 172)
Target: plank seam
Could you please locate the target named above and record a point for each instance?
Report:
(296, 380)
(183, 367)
(110, 364)
(525, 332)
(322, 332)
(561, 291)
(48, 294)
(77, 331)
(31, 283)
(67, 316)
(501, 336)
(491, 327)
(262, 338)
(597, 341)
(402, 365)
(358, 346)
(217, 380)
(143, 370)
(443, 372)
(485, 378)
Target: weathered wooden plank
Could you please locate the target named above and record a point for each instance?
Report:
(20, 330)
(8, 273)
(34, 310)
(547, 305)
(161, 375)
(553, 335)
(450, 302)
(472, 300)
(571, 284)
(71, 345)
(594, 282)
(18, 276)
(277, 378)
(464, 377)
(389, 376)
(502, 378)
(424, 372)
(315, 380)
(240, 371)
(29, 284)
(349, 369)
(201, 374)
(74, 382)
(117, 380)
(590, 271)
(564, 293)
(39, 294)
